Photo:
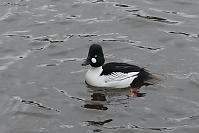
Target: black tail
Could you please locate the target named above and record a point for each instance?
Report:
(146, 78)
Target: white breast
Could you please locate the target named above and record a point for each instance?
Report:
(93, 77)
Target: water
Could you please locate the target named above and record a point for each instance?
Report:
(42, 46)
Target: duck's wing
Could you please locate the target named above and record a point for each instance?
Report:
(119, 76)
(109, 68)
(119, 71)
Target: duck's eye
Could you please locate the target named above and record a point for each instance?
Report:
(95, 56)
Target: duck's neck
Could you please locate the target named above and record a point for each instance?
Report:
(96, 68)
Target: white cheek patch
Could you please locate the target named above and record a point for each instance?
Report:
(93, 60)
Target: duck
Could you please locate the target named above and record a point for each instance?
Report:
(115, 74)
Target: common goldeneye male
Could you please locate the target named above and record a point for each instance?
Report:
(116, 75)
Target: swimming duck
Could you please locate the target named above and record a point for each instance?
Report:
(116, 75)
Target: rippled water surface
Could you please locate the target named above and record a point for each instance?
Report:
(42, 46)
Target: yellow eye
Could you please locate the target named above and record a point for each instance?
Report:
(95, 56)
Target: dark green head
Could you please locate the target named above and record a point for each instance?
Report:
(95, 56)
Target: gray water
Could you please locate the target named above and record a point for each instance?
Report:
(44, 42)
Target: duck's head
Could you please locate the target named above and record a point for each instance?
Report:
(95, 56)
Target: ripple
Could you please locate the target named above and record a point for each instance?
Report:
(5, 65)
(13, 105)
(82, 35)
(98, 1)
(65, 16)
(132, 10)
(7, 14)
(131, 43)
(183, 3)
(65, 93)
(47, 39)
(122, 5)
(72, 16)
(60, 61)
(94, 20)
(66, 126)
(32, 114)
(16, 35)
(157, 19)
(40, 105)
(195, 117)
(12, 59)
(184, 100)
(13, 3)
(47, 65)
(184, 75)
(183, 33)
(79, 71)
(134, 126)
(176, 13)
(35, 43)
(47, 8)
(21, 34)
(68, 59)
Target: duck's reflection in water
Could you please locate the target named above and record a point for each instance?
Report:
(101, 98)
(98, 101)
(97, 96)
(98, 123)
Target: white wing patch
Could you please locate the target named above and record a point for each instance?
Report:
(119, 76)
